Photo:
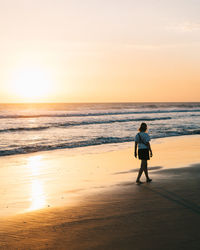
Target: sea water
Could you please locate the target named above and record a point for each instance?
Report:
(26, 128)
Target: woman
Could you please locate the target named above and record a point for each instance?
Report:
(142, 143)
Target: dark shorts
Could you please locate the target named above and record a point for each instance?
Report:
(143, 154)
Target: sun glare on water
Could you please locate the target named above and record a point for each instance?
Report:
(31, 84)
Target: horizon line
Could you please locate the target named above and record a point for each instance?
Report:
(99, 102)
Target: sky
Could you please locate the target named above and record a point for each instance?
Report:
(99, 50)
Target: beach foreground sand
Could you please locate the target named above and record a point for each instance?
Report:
(164, 214)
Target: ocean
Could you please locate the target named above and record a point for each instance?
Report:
(26, 128)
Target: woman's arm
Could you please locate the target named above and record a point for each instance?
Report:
(149, 146)
(136, 144)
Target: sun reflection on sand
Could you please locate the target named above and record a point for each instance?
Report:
(38, 198)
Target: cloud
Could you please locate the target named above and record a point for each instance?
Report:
(184, 27)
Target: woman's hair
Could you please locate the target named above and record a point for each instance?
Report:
(143, 127)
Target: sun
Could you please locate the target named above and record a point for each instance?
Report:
(31, 84)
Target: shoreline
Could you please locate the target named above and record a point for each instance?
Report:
(91, 201)
(89, 149)
(52, 179)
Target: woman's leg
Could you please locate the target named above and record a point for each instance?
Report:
(140, 171)
(145, 169)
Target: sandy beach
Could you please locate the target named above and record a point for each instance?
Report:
(81, 200)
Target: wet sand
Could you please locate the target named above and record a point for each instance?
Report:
(99, 206)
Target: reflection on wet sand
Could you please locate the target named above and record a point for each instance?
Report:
(37, 194)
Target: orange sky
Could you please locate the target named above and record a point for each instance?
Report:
(99, 51)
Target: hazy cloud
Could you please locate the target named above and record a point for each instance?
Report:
(185, 27)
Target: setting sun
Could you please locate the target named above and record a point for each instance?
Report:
(31, 84)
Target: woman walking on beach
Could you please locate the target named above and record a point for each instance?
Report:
(142, 143)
